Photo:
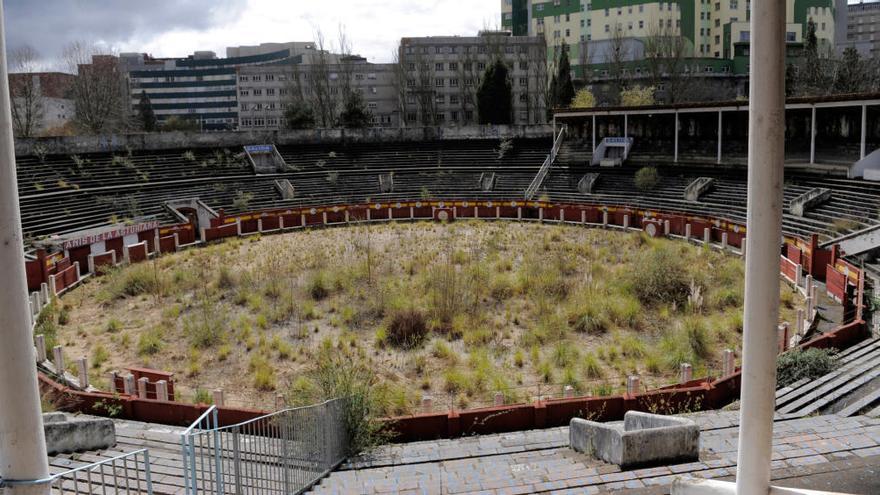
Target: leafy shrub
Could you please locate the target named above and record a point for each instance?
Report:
(592, 367)
(407, 328)
(660, 276)
(100, 355)
(797, 364)
(647, 179)
(114, 325)
(590, 319)
(202, 396)
(319, 286)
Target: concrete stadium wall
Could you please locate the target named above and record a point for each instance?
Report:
(172, 140)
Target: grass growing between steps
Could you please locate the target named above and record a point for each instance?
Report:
(459, 311)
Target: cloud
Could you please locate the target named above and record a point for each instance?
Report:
(176, 28)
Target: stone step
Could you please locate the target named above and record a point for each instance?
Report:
(864, 402)
(832, 390)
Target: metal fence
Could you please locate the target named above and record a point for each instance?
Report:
(123, 474)
(545, 167)
(284, 452)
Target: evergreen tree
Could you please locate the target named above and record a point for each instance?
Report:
(850, 76)
(355, 114)
(565, 88)
(145, 113)
(298, 115)
(495, 96)
(552, 96)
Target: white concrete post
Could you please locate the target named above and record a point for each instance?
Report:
(390, 214)
(111, 378)
(632, 385)
(605, 218)
(280, 403)
(128, 386)
(541, 214)
(718, 160)
(427, 404)
(742, 248)
(281, 220)
(666, 228)
(583, 216)
(809, 305)
(799, 269)
(594, 134)
(40, 344)
(728, 362)
(260, 224)
(724, 240)
(44, 291)
(813, 135)
(764, 225)
(568, 392)
(687, 373)
(58, 359)
(707, 235)
(675, 159)
(53, 292)
(864, 130)
(625, 222)
(518, 213)
(76, 270)
(142, 387)
(238, 226)
(91, 261)
(218, 397)
(801, 322)
(562, 215)
(499, 399)
(808, 285)
(176, 244)
(687, 231)
(497, 213)
(83, 368)
(31, 316)
(162, 390)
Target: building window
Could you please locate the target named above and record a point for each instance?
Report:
(256, 78)
(439, 82)
(440, 99)
(453, 65)
(523, 81)
(454, 116)
(453, 82)
(453, 99)
(438, 67)
(523, 65)
(523, 98)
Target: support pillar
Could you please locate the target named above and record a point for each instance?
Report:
(813, 135)
(40, 343)
(675, 159)
(800, 322)
(687, 232)
(687, 373)
(142, 387)
(568, 392)
(720, 128)
(162, 390)
(864, 130)
(218, 397)
(594, 134)
(632, 385)
(82, 366)
(728, 362)
(128, 386)
(58, 359)
(764, 225)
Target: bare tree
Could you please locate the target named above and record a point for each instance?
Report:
(399, 82)
(666, 60)
(616, 56)
(538, 75)
(324, 93)
(99, 90)
(25, 90)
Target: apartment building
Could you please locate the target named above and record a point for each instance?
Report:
(863, 28)
(201, 86)
(265, 90)
(51, 94)
(711, 28)
(442, 75)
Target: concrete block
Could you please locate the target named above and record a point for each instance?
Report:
(218, 397)
(40, 342)
(687, 372)
(67, 433)
(642, 439)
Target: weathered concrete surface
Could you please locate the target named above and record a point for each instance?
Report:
(71, 433)
(172, 140)
(641, 439)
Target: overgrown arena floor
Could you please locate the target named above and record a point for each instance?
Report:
(524, 309)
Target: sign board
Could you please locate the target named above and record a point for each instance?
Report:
(259, 148)
(110, 233)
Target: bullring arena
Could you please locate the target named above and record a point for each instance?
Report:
(496, 281)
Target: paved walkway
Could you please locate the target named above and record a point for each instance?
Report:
(540, 461)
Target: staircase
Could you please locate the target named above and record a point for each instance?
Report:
(613, 151)
(851, 389)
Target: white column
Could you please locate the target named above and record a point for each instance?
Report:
(687, 373)
(162, 390)
(218, 397)
(632, 384)
(676, 138)
(813, 135)
(40, 344)
(764, 225)
(594, 134)
(142, 387)
(864, 129)
(83, 368)
(718, 160)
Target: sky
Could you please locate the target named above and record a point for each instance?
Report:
(176, 28)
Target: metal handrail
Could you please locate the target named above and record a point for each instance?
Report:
(545, 167)
(86, 470)
(200, 419)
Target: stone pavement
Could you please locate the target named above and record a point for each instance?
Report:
(540, 461)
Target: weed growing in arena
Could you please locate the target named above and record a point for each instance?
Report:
(462, 311)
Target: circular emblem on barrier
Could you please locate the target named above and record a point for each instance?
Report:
(736, 229)
(335, 209)
(513, 203)
(441, 205)
(651, 229)
(377, 206)
(418, 204)
(718, 223)
(464, 204)
(489, 204)
(443, 216)
(313, 211)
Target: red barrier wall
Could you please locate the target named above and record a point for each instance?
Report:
(137, 253)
